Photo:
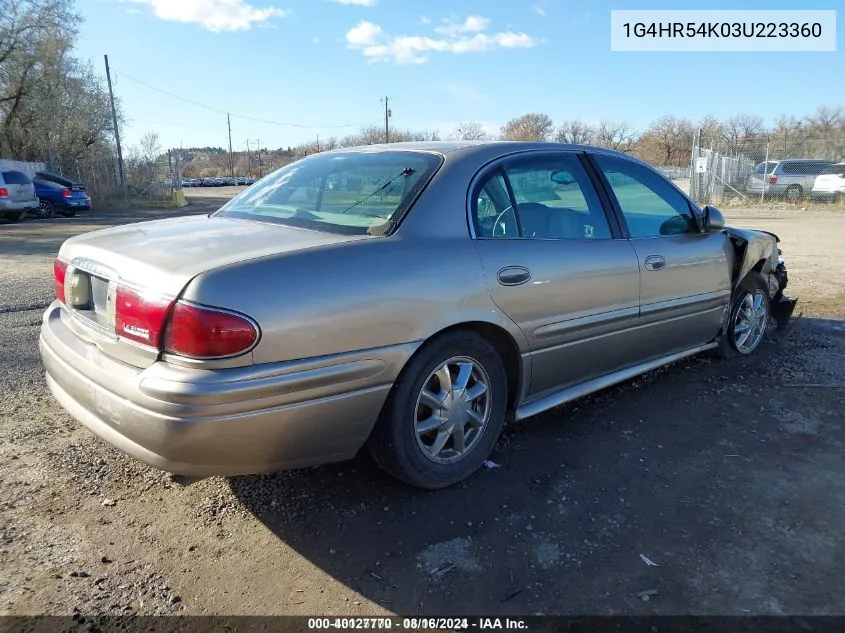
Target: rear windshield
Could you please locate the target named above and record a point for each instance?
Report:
(765, 168)
(835, 169)
(352, 192)
(16, 178)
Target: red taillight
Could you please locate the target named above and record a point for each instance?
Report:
(200, 332)
(67, 193)
(59, 271)
(773, 180)
(138, 316)
(4, 193)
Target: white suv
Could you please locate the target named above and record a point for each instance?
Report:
(830, 184)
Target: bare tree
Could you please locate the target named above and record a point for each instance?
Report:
(672, 138)
(710, 133)
(788, 137)
(743, 132)
(576, 132)
(150, 147)
(616, 135)
(529, 127)
(469, 131)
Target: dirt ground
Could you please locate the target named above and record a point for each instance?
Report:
(728, 476)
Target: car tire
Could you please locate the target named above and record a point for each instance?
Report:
(14, 218)
(402, 442)
(749, 318)
(794, 192)
(45, 210)
(68, 214)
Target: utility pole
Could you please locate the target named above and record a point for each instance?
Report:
(318, 143)
(259, 159)
(231, 163)
(116, 131)
(387, 114)
(248, 160)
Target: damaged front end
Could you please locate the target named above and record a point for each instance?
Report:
(758, 251)
(782, 306)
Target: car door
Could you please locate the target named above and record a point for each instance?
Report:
(551, 264)
(685, 273)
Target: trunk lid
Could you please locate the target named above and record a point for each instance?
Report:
(158, 259)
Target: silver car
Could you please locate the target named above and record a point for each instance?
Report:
(409, 298)
(17, 195)
(789, 178)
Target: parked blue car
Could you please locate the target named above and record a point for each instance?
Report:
(58, 195)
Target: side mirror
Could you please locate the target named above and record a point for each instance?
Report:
(713, 219)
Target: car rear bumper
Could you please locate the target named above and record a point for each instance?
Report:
(826, 194)
(9, 206)
(244, 420)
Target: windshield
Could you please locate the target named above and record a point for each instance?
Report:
(353, 192)
(834, 169)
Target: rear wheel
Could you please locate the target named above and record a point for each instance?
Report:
(444, 413)
(69, 214)
(794, 192)
(45, 210)
(16, 216)
(749, 318)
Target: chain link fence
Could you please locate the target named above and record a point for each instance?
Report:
(760, 168)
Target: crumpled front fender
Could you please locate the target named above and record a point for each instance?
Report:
(751, 248)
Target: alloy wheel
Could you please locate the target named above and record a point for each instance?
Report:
(751, 321)
(452, 410)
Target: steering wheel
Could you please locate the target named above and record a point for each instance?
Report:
(498, 219)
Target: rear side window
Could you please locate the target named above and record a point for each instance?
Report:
(16, 178)
(765, 168)
(808, 168)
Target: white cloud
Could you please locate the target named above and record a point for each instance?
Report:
(360, 3)
(473, 24)
(468, 36)
(424, 20)
(316, 40)
(539, 10)
(364, 34)
(214, 15)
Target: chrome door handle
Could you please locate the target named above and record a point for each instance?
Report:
(513, 275)
(655, 262)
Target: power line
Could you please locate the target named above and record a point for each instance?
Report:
(237, 116)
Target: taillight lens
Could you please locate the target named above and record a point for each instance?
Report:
(4, 193)
(201, 332)
(67, 193)
(140, 317)
(59, 272)
(773, 180)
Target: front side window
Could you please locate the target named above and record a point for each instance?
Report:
(552, 198)
(650, 205)
(344, 192)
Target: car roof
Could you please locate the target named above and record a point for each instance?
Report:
(806, 160)
(469, 147)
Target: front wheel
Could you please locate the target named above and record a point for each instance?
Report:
(749, 318)
(444, 414)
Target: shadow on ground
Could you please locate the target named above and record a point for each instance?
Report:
(728, 476)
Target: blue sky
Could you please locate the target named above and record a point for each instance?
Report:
(325, 64)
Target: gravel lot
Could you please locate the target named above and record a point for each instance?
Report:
(729, 476)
